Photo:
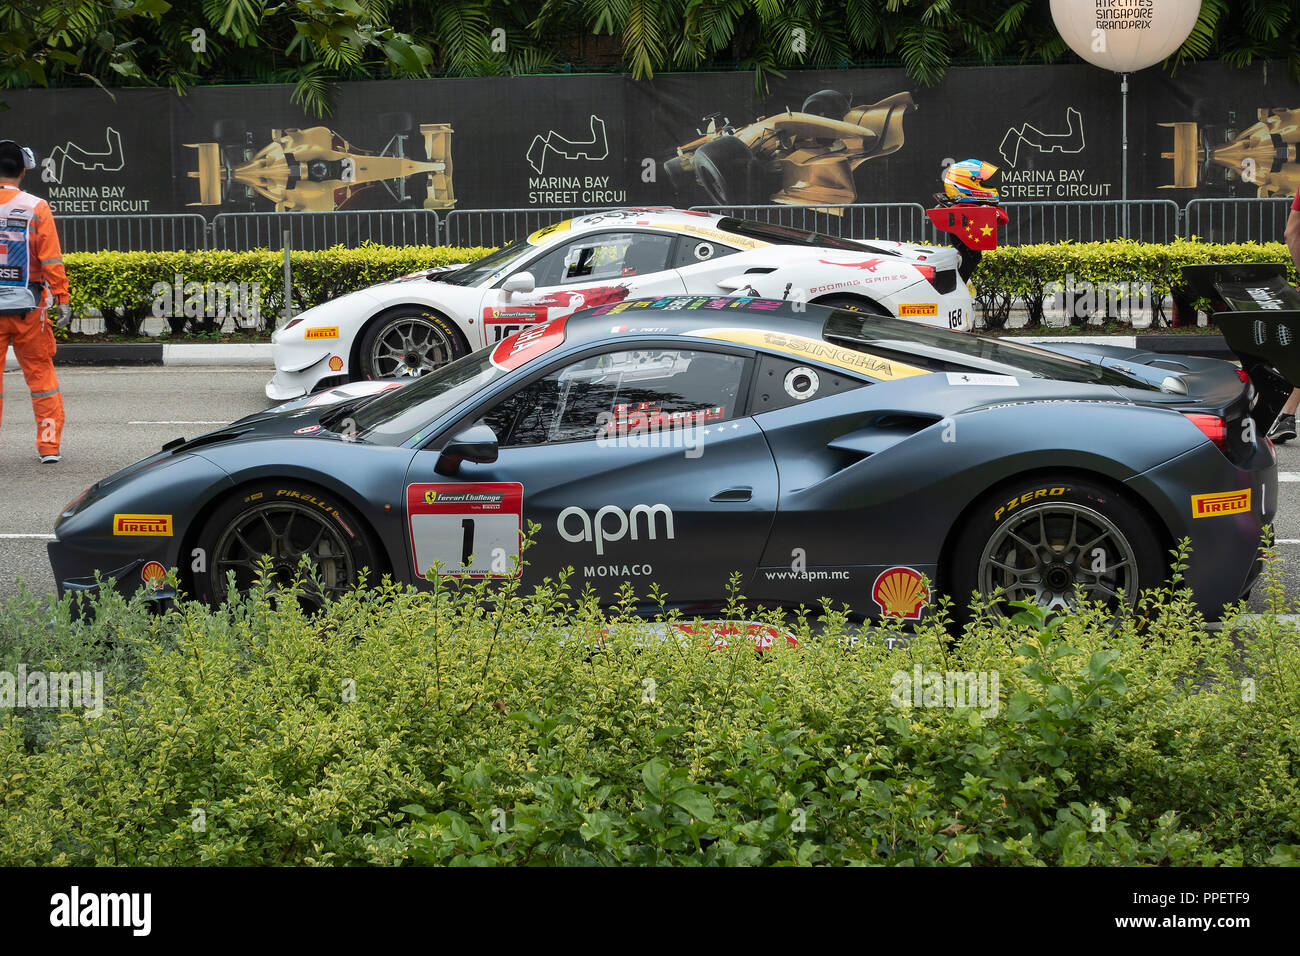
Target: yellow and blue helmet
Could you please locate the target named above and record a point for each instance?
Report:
(963, 182)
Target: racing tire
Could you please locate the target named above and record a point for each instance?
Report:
(283, 520)
(726, 169)
(393, 123)
(854, 304)
(231, 132)
(1039, 539)
(683, 182)
(407, 342)
(828, 104)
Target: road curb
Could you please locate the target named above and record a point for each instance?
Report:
(150, 353)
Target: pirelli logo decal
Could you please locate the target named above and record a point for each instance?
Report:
(1221, 503)
(322, 332)
(919, 309)
(153, 526)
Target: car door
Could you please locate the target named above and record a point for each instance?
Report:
(590, 270)
(637, 464)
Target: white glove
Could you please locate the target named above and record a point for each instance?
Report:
(65, 316)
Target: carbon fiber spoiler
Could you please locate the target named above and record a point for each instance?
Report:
(1258, 312)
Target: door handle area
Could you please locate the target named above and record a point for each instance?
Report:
(739, 493)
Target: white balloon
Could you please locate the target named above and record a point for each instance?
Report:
(1125, 35)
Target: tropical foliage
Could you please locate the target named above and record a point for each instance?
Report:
(313, 42)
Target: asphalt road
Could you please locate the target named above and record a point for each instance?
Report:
(118, 415)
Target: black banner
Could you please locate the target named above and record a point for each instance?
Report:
(820, 137)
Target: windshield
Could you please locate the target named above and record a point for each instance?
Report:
(887, 336)
(478, 271)
(394, 416)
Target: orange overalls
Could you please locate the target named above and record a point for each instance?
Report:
(32, 335)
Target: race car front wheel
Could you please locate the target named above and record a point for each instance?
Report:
(283, 523)
(408, 342)
(1053, 539)
(725, 167)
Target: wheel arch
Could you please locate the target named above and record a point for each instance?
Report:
(203, 514)
(945, 573)
(856, 296)
(354, 350)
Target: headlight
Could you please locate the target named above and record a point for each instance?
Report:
(71, 507)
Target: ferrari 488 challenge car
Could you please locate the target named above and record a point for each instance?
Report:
(412, 325)
(678, 440)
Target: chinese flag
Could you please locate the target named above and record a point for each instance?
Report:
(976, 226)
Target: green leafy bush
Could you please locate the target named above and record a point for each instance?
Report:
(1022, 273)
(125, 281)
(479, 726)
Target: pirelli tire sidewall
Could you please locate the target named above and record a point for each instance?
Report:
(998, 506)
(363, 370)
(352, 531)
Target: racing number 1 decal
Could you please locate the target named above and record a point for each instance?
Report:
(471, 530)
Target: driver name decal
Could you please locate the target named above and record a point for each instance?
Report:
(472, 529)
(814, 350)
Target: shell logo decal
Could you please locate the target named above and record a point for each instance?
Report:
(900, 593)
(153, 574)
(336, 364)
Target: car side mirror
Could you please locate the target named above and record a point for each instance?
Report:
(519, 282)
(478, 444)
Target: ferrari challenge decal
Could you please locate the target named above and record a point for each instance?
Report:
(981, 378)
(153, 526)
(1221, 503)
(153, 574)
(469, 529)
(522, 347)
(823, 352)
(900, 593)
(322, 332)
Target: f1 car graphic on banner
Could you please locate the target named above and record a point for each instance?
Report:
(317, 170)
(802, 157)
(420, 322)
(820, 453)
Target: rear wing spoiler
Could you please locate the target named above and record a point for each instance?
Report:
(1258, 311)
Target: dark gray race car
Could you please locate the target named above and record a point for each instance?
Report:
(817, 452)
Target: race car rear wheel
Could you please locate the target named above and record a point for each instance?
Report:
(725, 167)
(1051, 538)
(408, 342)
(283, 521)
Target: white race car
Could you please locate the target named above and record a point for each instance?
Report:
(411, 325)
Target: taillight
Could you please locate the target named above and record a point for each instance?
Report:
(927, 271)
(1214, 428)
(291, 323)
(1241, 374)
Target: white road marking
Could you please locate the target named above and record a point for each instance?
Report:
(213, 423)
(1288, 476)
(46, 536)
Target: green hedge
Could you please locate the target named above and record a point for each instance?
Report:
(1007, 277)
(124, 280)
(467, 727)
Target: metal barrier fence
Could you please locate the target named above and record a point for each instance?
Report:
(132, 232)
(1236, 220)
(496, 227)
(1149, 220)
(241, 231)
(899, 221)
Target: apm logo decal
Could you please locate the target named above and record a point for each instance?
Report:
(1221, 503)
(155, 526)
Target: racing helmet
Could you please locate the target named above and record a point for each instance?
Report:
(962, 182)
